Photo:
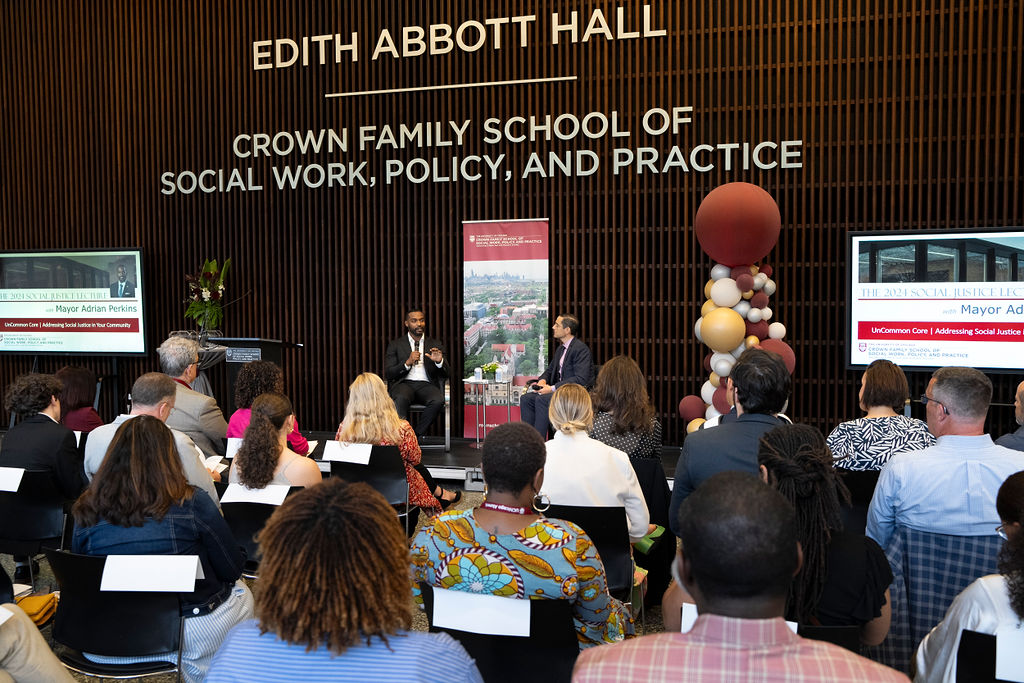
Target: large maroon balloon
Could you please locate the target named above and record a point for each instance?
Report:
(719, 400)
(737, 223)
(691, 407)
(758, 329)
(783, 349)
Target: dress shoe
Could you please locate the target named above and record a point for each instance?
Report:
(21, 574)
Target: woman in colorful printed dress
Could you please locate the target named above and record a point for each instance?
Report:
(505, 547)
(868, 442)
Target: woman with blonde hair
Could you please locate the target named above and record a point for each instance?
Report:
(583, 471)
(264, 457)
(370, 417)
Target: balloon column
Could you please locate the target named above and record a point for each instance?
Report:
(737, 225)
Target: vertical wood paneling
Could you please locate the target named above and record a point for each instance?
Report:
(910, 113)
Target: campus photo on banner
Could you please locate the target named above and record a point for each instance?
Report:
(504, 315)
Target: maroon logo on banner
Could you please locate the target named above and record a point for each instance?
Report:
(863, 347)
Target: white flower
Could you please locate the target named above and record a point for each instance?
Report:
(206, 295)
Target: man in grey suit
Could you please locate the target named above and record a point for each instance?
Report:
(759, 383)
(193, 413)
(152, 394)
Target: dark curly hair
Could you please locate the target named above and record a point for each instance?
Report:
(260, 451)
(621, 390)
(30, 394)
(511, 456)
(1010, 506)
(255, 378)
(799, 465)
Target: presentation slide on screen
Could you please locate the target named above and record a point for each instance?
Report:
(930, 300)
(71, 302)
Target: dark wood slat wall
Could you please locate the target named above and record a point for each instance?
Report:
(910, 113)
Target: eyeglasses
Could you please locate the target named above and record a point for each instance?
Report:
(1001, 530)
(926, 399)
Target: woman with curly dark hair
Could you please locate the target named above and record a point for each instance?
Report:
(991, 603)
(625, 416)
(264, 457)
(255, 378)
(845, 577)
(76, 398)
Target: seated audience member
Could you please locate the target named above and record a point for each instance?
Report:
(845, 577)
(264, 457)
(504, 547)
(949, 488)
(582, 471)
(39, 442)
(759, 384)
(349, 617)
(194, 413)
(370, 417)
(25, 656)
(255, 378)
(153, 394)
(990, 604)
(868, 442)
(625, 416)
(1015, 440)
(76, 399)
(139, 503)
(738, 558)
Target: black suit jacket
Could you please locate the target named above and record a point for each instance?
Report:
(39, 443)
(398, 352)
(129, 289)
(578, 367)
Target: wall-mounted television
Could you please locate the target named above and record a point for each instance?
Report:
(930, 298)
(72, 302)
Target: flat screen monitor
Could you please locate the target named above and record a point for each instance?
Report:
(931, 298)
(72, 302)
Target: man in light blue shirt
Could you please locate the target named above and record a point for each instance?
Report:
(949, 488)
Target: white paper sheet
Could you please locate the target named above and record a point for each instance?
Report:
(20, 589)
(487, 614)
(151, 573)
(234, 443)
(216, 463)
(356, 453)
(5, 614)
(690, 617)
(1010, 655)
(10, 478)
(312, 446)
(272, 494)
(78, 438)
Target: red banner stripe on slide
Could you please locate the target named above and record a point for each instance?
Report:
(69, 325)
(941, 331)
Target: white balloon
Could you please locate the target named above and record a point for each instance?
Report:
(759, 280)
(723, 366)
(776, 330)
(742, 308)
(710, 413)
(720, 271)
(725, 292)
(769, 287)
(754, 315)
(707, 391)
(738, 351)
(696, 329)
(766, 313)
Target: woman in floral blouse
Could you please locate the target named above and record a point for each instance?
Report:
(505, 547)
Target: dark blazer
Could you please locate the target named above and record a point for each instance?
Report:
(1014, 440)
(398, 352)
(578, 367)
(129, 289)
(39, 443)
(729, 447)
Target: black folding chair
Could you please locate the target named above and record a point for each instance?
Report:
(552, 642)
(862, 487)
(33, 518)
(385, 473)
(606, 527)
(112, 623)
(446, 416)
(246, 520)
(843, 636)
(976, 658)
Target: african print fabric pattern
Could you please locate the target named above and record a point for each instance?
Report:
(550, 559)
(869, 442)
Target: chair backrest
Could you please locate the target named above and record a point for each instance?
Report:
(35, 513)
(385, 473)
(110, 623)
(606, 527)
(862, 487)
(552, 643)
(843, 636)
(976, 658)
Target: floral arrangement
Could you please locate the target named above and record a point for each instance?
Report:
(489, 367)
(206, 294)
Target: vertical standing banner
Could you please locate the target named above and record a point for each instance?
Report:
(504, 311)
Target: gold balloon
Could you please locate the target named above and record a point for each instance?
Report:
(748, 295)
(715, 380)
(723, 329)
(694, 425)
(707, 289)
(708, 306)
(752, 341)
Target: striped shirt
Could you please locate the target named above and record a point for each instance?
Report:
(408, 657)
(726, 649)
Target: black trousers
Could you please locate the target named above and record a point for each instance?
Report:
(406, 393)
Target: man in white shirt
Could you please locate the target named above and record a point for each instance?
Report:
(414, 365)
